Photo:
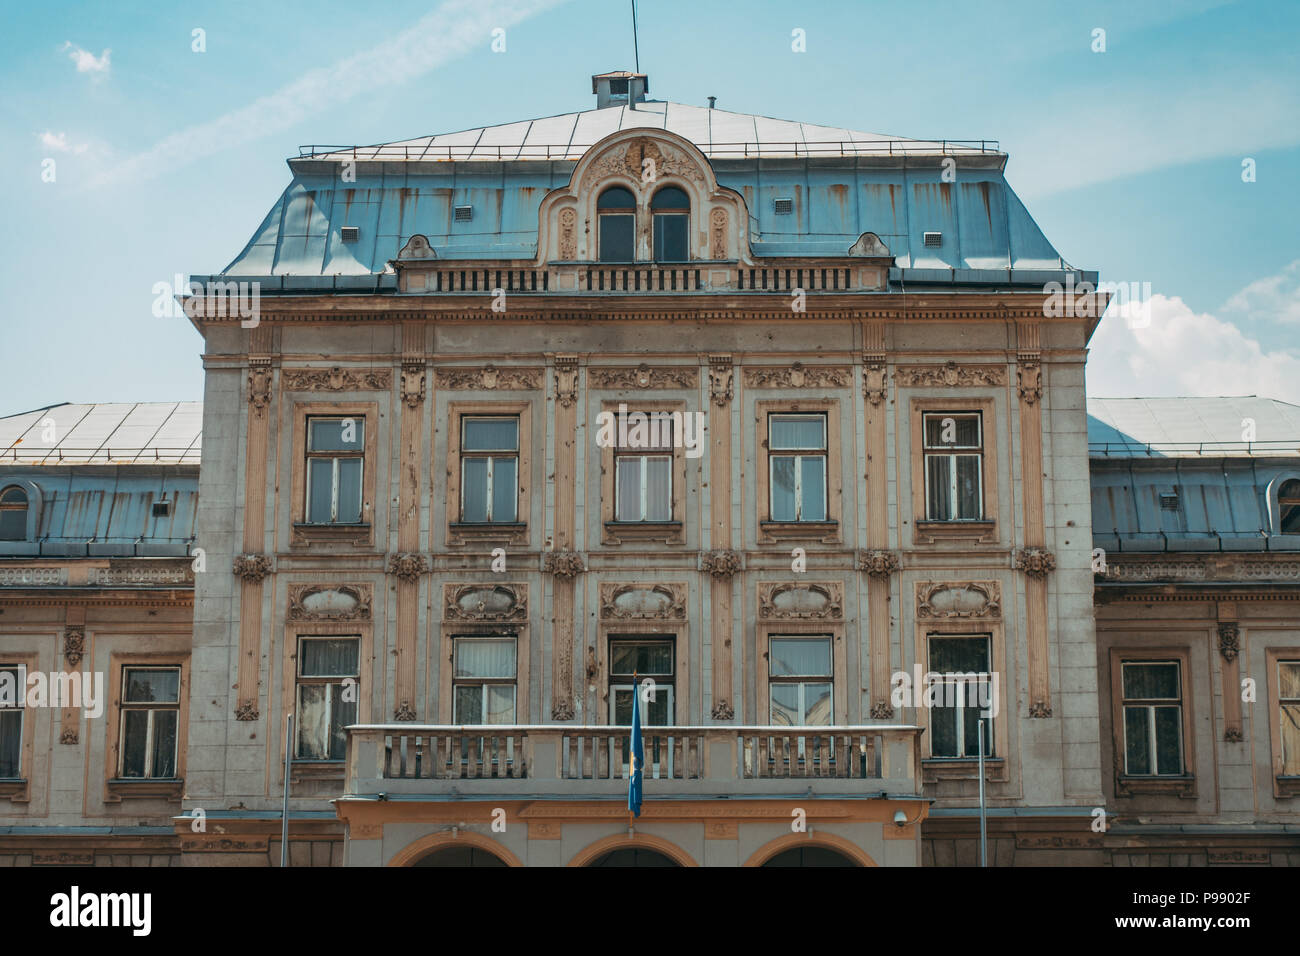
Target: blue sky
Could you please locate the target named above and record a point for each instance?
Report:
(1130, 159)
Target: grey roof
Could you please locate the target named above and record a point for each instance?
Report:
(1174, 427)
(112, 433)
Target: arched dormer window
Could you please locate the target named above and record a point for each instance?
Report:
(672, 215)
(13, 514)
(616, 209)
(1288, 506)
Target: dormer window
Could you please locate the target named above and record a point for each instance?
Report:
(13, 514)
(672, 214)
(616, 209)
(1288, 506)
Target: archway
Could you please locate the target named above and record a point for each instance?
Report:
(651, 851)
(811, 855)
(426, 851)
(633, 856)
(460, 856)
(803, 849)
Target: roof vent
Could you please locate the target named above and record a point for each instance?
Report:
(934, 238)
(351, 233)
(1169, 500)
(464, 213)
(162, 509)
(783, 207)
(619, 88)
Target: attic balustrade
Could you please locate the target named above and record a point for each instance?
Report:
(583, 762)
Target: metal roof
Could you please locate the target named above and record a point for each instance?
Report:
(1180, 427)
(112, 433)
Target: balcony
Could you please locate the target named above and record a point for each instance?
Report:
(412, 760)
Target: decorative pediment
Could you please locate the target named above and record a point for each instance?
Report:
(822, 601)
(329, 602)
(417, 247)
(958, 599)
(659, 602)
(869, 246)
(485, 602)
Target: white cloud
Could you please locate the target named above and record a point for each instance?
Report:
(451, 30)
(58, 143)
(1274, 298)
(1182, 352)
(86, 61)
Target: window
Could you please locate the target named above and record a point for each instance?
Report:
(630, 663)
(1288, 702)
(800, 681)
(671, 209)
(150, 719)
(616, 211)
(797, 465)
(961, 693)
(13, 684)
(327, 696)
(1288, 502)
(483, 681)
(1153, 718)
(489, 469)
(954, 457)
(13, 514)
(643, 476)
(335, 459)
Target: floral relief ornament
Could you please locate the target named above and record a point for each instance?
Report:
(408, 566)
(563, 564)
(1035, 562)
(251, 567)
(721, 564)
(878, 564)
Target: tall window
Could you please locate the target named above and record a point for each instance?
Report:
(489, 469)
(616, 211)
(335, 459)
(631, 661)
(1288, 685)
(800, 681)
(150, 717)
(643, 476)
(671, 209)
(961, 694)
(1153, 718)
(483, 682)
(954, 457)
(1288, 501)
(797, 459)
(12, 681)
(328, 691)
(13, 514)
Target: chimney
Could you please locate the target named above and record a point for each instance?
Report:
(619, 88)
(712, 100)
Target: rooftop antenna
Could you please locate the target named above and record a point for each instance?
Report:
(635, 50)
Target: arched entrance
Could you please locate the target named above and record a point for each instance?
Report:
(810, 856)
(805, 849)
(460, 856)
(639, 850)
(461, 849)
(633, 856)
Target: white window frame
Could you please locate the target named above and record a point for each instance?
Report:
(491, 456)
(336, 456)
(802, 680)
(1149, 704)
(823, 455)
(303, 680)
(151, 708)
(20, 687)
(643, 704)
(483, 683)
(962, 696)
(953, 452)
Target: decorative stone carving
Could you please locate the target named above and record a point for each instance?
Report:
(879, 564)
(251, 567)
(1233, 735)
(247, 711)
(1029, 380)
(643, 376)
(404, 711)
(791, 602)
(1040, 709)
(74, 643)
(882, 710)
(869, 246)
(259, 383)
(408, 566)
(563, 564)
(417, 247)
(329, 602)
(566, 379)
(568, 234)
(562, 709)
(958, 599)
(337, 379)
(69, 737)
(412, 384)
(721, 374)
(1229, 635)
(875, 379)
(490, 378)
(723, 710)
(718, 234)
(1035, 562)
(1207, 568)
(951, 375)
(797, 375)
(631, 162)
(721, 564)
(485, 602)
(657, 602)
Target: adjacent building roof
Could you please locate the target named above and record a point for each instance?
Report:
(1193, 427)
(112, 433)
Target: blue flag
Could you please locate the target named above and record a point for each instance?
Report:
(637, 758)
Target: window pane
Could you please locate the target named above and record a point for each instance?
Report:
(320, 478)
(971, 718)
(969, 504)
(783, 488)
(313, 732)
(501, 704)
(1151, 681)
(938, 475)
(1290, 723)
(645, 659)
(616, 197)
(469, 704)
(349, 491)
(785, 705)
(659, 477)
(959, 655)
(797, 431)
(1169, 731)
(342, 713)
(164, 743)
(11, 742)
(943, 732)
(623, 697)
(473, 488)
(152, 686)
(799, 657)
(952, 431)
(1137, 744)
(817, 705)
(670, 238)
(627, 488)
(658, 712)
(505, 492)
(1288, 680)
(328, 657)
(491, 434)
(812, 488)
(485, 658)
(13, 525)
(670, 197)
(135, 733)
(337, 434)
(616, 238)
